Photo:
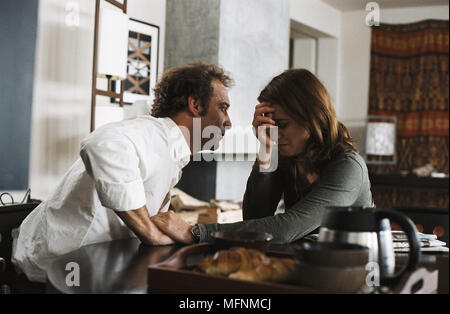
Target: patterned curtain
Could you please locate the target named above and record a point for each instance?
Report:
(409, 79)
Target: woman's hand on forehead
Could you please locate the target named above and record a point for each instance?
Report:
(264, 109)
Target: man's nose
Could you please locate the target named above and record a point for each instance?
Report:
(227, 123)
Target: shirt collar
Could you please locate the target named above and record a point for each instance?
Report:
(178, 147)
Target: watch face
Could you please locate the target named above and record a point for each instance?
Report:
(195, 231)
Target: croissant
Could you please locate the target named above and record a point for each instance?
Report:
(274, 269)
(229, 261)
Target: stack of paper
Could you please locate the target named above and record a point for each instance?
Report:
(428, 242)
(194, 211)
(183, 201)
(226, 205)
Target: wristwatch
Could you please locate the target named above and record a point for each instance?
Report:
(195, 231)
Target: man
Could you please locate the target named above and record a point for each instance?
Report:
(126, 171)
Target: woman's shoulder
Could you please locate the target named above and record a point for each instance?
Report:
(347, 170)
(351, 156)
(347, 160)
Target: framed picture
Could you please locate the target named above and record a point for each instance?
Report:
(142, 63)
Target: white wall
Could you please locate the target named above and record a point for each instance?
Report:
(414, 14)
(304, 53)
(62, 85)
(253, 47)
(253, 52)
(317, 15)
(323, 22)
(328, 69)
(355, 45)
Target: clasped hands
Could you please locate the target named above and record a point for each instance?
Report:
(173, 228)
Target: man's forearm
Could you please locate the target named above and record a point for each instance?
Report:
(140, 223)
(173, 225)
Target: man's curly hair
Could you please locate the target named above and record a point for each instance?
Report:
(177, 84)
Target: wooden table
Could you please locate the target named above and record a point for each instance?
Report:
(121, 267)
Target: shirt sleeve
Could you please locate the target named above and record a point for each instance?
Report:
(111, 160)
(339, 185)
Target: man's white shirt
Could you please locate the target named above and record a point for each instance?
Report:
(123, 166)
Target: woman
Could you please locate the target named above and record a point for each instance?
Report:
(317, 165)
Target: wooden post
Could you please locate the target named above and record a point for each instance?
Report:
(95, 91)
(94, 66)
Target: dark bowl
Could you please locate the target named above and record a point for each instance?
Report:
(332, 254)
(331, 279)
(251, 240)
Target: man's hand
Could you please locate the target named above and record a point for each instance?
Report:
(174, 226)
(158, 238)
(139, 222)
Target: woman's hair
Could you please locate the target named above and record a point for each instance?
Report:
(306, 99)
(177, 84)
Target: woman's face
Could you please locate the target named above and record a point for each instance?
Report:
(292, 136)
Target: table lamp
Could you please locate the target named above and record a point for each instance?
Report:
(380, 140)
(110, 51)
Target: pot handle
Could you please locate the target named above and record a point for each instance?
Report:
(411, 232)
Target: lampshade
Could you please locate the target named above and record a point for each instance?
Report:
(112, 49)
(380, 138)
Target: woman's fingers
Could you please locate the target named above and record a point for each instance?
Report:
(263, 104)
(263, 118)
(263, 110)
(263, 132)
(259, 120)
(263, 115)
